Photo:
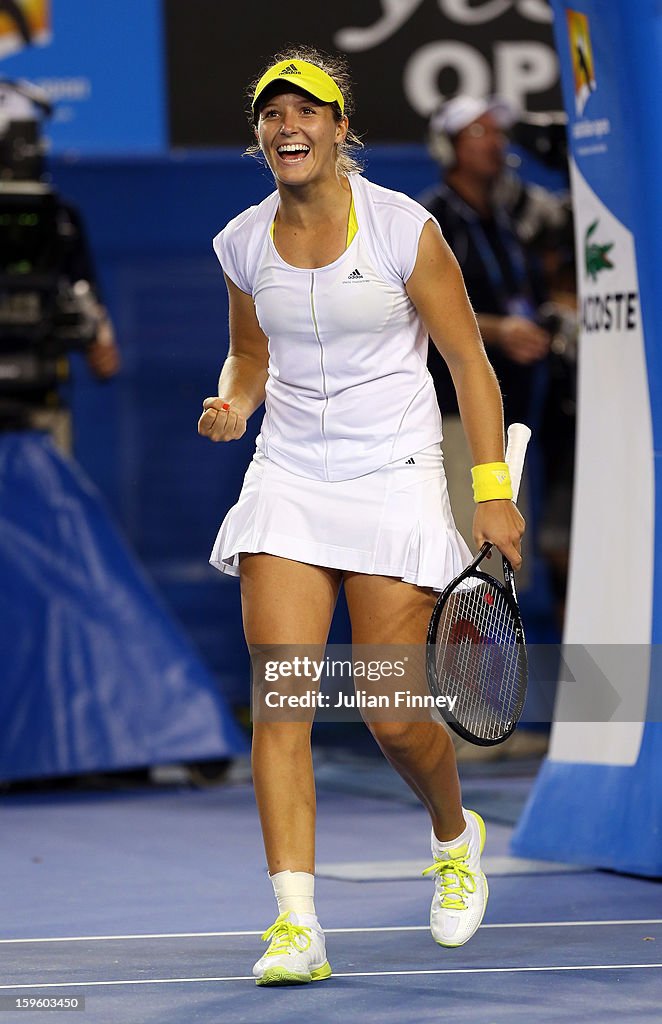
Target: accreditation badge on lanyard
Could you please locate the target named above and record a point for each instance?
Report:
(519, 304)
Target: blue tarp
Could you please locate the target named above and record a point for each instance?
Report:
(94, 673)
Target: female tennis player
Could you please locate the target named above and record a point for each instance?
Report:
(334, 285)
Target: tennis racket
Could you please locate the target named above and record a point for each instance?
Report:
(475, 647)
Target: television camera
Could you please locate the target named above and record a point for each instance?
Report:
(44, 313)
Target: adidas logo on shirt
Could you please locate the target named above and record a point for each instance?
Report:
(291, 69)
(355, 275)
(410, 462)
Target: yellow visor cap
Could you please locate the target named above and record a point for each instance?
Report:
(305, 76)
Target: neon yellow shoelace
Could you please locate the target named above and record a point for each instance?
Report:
(456, 880)
(285, 936)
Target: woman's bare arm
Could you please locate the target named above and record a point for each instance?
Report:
(436, 288)
(243, 377)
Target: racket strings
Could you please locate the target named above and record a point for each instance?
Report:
(479, 659)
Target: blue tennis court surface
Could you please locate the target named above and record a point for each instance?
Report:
(150, 902)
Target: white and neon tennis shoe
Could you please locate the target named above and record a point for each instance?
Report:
(296, 954)
(460, 888)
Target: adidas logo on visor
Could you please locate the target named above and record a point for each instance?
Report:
(291, 69)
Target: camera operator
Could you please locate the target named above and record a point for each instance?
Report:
(469, 137)
(490, 222)
(50, 303)
(101, 352)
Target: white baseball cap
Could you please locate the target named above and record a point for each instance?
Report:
(456, 114)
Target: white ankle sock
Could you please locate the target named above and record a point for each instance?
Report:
(294, 890)
(438, 846)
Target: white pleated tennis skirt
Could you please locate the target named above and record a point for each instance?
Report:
(396, 521)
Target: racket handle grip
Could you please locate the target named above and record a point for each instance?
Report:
(518, 439)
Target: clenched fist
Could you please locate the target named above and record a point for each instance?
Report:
(220, 422)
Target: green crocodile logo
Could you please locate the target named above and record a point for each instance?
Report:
(596, 256)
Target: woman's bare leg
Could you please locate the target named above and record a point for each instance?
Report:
(385, 611)
(287, 608)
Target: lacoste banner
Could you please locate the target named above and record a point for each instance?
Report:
(611, 60)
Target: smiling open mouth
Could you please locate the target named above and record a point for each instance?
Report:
(293, 152)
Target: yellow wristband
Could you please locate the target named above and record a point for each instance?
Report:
(491, 480)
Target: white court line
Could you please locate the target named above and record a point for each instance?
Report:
(348, 974)
(330, 931)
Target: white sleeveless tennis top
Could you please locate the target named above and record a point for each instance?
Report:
(348, 389)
